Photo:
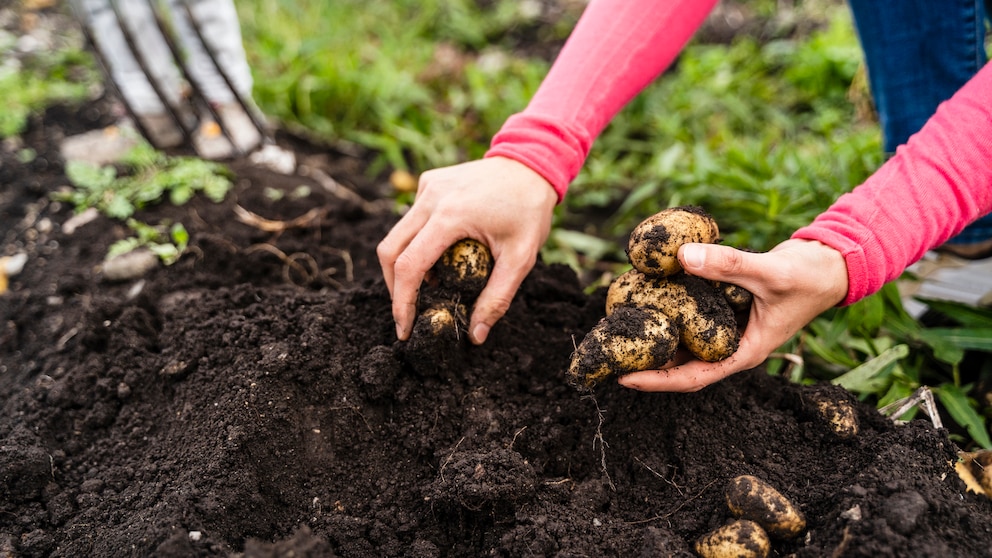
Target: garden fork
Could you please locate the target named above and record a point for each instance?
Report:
(198, 103)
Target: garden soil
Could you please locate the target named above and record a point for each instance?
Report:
(252, 400)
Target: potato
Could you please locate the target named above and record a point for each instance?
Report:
(464, 267)
(654, 244)
(738, 539)
(737, 297)
(704, 319)
(749, 497)
(442, 320)
(837, 412)
(975, 469)
(628, 340)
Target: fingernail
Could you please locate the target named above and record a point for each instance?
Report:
(694, 255)
(399, 332)
(480, 333)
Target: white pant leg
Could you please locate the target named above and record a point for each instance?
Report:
(218, 23)
(125, 70)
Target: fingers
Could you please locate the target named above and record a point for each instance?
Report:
(695, 374)
(407, 273)
(396, 242)
(720, 263)
(508, 273)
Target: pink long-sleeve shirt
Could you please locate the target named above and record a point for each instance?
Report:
(935, 185)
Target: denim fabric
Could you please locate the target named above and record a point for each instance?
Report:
(919, 53)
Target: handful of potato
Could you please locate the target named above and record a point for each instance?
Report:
(655, 308)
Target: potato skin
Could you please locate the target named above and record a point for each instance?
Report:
(704, 319)
(464, 267)
(738, 539)
(628, 340)
(654, 244)
(440, 321)
(749, 497)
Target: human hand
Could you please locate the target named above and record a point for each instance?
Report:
(792, 284)
(497, 201)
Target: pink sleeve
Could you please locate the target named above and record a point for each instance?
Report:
(617, 48)
(935, 185)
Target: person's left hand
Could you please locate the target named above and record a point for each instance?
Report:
(792, 284)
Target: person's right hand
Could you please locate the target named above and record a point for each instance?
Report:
(497, 201)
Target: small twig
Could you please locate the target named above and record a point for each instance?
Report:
(269, 225)
(660, 476)
(676, 510)
(357, 411)
(602, 441)
(448, 460)
(515, 434)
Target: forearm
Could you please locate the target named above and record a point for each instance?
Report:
(935, 185)
(617, 48)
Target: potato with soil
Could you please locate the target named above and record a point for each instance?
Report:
(738, 539)
(749, 497)
(706, 323)
(629, 339)
(464, 267)
(654, 244)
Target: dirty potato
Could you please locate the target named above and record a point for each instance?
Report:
(737, 297)
(654, 244)
(465, 267)
(838, 413)
(738, 539)
(749, 497)
(441, 321)
(703, 317)
(628, 340)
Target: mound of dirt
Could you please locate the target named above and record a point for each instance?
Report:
(251, 400)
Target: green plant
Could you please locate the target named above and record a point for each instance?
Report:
(165, 240)
(149, 177)
(876, 350)
(34, 82)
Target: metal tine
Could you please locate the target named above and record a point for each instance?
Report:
(247, 106)
(196, 87)
(104, 66)
(139, 57)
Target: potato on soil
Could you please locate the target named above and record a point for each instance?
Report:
(749, 497)
(440, 321)
(465, 267)
(703, 317)
(654, 244)
(739, 539)
(838, 413)
(628, 340)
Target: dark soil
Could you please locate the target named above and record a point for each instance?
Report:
(252, 400)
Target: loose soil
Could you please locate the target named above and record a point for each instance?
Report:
(252, 400)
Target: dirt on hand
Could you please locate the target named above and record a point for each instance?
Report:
(252, 400)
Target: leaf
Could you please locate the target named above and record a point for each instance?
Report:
(962, 410)
(868, 376)
(966, 315)
(89, 176)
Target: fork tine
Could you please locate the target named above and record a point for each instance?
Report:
(104, 66)
(212, 55)
(195, 85)
(139, 57)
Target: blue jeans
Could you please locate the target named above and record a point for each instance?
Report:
(918, 54)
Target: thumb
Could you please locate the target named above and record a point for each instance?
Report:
(718, 263)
